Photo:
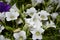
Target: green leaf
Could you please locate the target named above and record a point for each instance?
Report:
(9, 28)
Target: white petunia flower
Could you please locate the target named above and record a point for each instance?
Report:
(43, 15)
(11, 16)
(2, 16)
(37, 33)
(1, 28)
(51, 24)
(31, 11)
(20, 36)
(54, 15)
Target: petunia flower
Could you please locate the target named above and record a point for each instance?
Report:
(31, 11)
(4, 7)
(43, 15)
(20, 35)
(12, 15)
(37, 33)
(51, 24)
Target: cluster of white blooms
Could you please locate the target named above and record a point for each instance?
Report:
(35, 22)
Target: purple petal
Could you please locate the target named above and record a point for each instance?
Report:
(4, 7)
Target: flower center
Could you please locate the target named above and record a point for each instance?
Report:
(12, 16)
(37, 33)
(21, 38)
(31, 14)
(42, 16)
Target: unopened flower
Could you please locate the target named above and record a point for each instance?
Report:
(1, 28)
(35, 2)
(2, 16)
(16, 30)
(54, 15)
(14, 8)
(49, 8)
(20, 35)
(19, 21)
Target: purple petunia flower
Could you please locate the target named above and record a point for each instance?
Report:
(4, 7)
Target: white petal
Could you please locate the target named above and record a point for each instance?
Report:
(23, 33)
(15, 8)
(16, 35)
(54, 15)
(41, 30)
(37, 37)
(1, 28)
(2, 37)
